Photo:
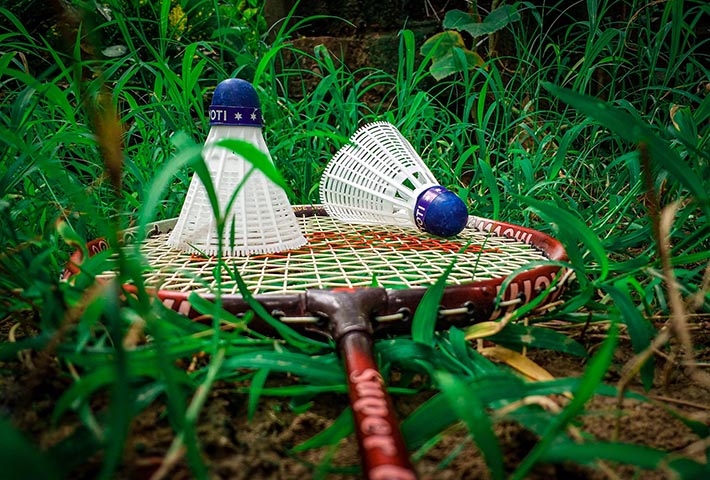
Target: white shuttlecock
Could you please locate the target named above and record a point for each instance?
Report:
(261, 217)
(379, 178)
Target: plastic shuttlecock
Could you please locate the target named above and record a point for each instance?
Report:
(379, 178)
(260, 219)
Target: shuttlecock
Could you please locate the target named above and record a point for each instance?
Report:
(261, 219)
(379, 178)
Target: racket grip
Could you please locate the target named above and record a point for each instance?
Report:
(382, 450)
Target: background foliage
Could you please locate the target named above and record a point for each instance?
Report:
(589, 121)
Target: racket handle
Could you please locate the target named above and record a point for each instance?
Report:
(383, 453)
(382, 450)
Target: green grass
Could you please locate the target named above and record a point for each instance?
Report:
(590, 130)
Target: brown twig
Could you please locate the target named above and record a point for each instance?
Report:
(678, 401)
(661, 223)
(696, 301)
(25, 356)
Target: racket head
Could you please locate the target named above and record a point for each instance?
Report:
(470, 296)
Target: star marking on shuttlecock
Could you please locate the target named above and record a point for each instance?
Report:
(237, 116)
(253, 116)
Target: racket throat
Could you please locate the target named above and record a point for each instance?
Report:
(347, 309)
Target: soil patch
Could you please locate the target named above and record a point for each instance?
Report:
(235, 448)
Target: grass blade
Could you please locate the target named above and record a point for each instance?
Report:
(571, 230)
(634, 130)
(516, 336)
(463, 400)
(339, 429)
(637, 455)
(593, 376)
(640, 329)
(256, 157)
(22, 460)
(424, 321)
(255, 388)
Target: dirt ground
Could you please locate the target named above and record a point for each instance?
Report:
(234, 448)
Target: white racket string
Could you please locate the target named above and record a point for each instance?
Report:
(342, 255)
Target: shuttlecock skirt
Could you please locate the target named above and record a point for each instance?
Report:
(375, 179)
(260, 219)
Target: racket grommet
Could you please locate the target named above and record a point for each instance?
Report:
(322, 321)
(406, 314)
(470, 308)
(278, 314)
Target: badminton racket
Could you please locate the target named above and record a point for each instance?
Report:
(326, 287)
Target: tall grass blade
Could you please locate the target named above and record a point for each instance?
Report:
(631, 128)
(640, 329)
(516, 336)
(571, 232)
(255, 391)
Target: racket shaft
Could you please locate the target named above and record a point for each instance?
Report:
(382, 449)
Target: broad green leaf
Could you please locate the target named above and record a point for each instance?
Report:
(449, 54)
(450, 63)
(494, 21)
(441, 44)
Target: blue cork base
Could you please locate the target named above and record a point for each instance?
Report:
(235, 103)
(440, 212)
